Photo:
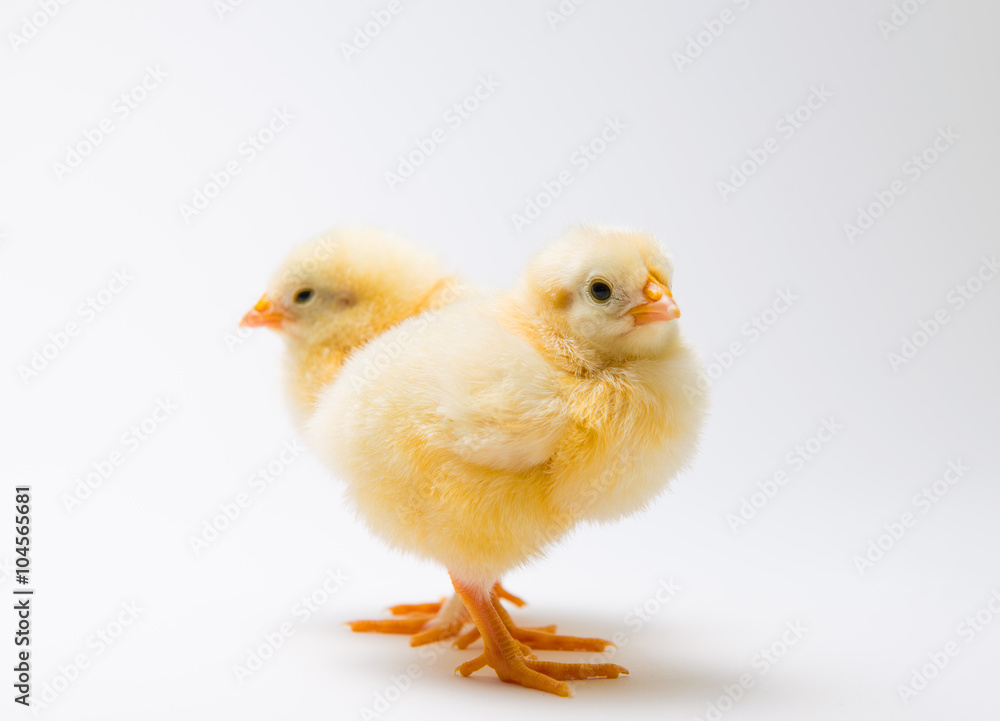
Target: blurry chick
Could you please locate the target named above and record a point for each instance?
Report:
(332, 295)
(506, 421)
(335, 293)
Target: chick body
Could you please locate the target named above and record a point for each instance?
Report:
(482, 435)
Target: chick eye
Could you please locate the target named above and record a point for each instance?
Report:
(600, 291)
(304, 295)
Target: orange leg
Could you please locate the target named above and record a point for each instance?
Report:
(507, 656)
(427, 622)
(541, 638)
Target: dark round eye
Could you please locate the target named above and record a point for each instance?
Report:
(304, 295)
(600, 291)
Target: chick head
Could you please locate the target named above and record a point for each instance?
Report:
(607, 289)
(345, 286)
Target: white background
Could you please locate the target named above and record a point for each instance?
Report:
(170, 335)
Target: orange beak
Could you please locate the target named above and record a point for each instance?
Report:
(659, 304)
(264, 314)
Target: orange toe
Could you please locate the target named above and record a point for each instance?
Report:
(433, 635)
(404, 609)
(506, 595)
(429, 622)
(576, 671)
(511, 659)
(545, 641)
(425, 622)
(390, 625)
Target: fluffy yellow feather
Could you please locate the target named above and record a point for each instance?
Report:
(481, 435)
(334, 293)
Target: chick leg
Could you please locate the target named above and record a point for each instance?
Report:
(508, 658)
(427, 622)
(405, 609)
(541, 638)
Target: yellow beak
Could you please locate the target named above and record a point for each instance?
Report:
(264, 313)
(659, 304)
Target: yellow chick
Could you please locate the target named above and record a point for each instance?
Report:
(501, 423)
(335, 293)
(331, 295)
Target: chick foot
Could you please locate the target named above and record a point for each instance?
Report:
(508, 657)
(427, 622)
(542, 638)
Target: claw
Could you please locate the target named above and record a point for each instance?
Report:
(512, 659)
